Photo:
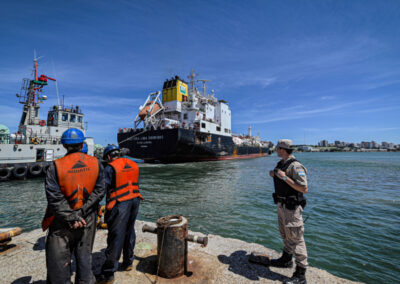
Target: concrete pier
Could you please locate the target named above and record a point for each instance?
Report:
(224, 260)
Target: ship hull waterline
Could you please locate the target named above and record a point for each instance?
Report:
(179, 145)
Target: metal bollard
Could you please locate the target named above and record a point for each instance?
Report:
(172, 251)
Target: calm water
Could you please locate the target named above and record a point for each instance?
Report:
(353, 229)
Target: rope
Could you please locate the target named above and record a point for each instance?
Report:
(163, 223)
(130, 138)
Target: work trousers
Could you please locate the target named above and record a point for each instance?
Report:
(291, 228)
(121, 234)
(62, 242)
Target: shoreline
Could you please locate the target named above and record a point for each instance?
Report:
(224, 260)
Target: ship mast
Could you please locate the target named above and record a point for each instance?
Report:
(30, 94)
(191, 78)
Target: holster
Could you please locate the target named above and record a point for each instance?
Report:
(291, 202)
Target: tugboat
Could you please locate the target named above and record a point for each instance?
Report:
(183, 124)
(29, 151)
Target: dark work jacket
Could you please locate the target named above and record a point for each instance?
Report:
(282, 189)
(58, 204)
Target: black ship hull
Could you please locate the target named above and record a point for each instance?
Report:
(183, 145)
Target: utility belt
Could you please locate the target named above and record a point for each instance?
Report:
(291, 202)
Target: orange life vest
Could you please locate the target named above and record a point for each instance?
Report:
(77, 175)
(126, 182)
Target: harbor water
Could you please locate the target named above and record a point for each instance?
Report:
(353, 210)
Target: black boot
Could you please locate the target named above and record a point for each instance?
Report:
(285, 261)
(299, 276)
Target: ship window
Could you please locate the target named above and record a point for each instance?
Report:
(72, 118)
(185, 116)
(203, 125)
(226, 130)
(218, 128)
(64, 116)
(80, 118)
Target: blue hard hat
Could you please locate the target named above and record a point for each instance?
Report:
(109, 149)
(84, 148)
(72, 136)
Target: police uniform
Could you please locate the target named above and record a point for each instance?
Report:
(74, 187)
(290, 204)
(123, 199)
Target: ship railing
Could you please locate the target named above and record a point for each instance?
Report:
(44, 140)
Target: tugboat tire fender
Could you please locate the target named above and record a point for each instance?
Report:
(5, 173)
(20, 171)
(35, 169)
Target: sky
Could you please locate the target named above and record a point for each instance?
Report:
(304, 70)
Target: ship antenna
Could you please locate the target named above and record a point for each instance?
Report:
(204, 85)
(35, 60)
(191, 77)
(55, 75)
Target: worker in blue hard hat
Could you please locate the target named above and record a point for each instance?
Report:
(74, 187)
(122, 206)
(84, 148)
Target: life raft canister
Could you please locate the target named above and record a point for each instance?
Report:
(77, 175)
(126, 182)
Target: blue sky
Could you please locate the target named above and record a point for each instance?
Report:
(305, 70)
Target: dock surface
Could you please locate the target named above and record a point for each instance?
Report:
(224, 260)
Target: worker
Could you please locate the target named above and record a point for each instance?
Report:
(122, 206)
(74, 187)
(290, 183)
(84, 148)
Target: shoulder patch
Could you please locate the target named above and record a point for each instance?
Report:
(301, 173)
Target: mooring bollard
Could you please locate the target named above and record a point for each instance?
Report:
(7, 233)
(172, 251)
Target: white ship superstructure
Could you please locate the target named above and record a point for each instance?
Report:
(29, 151)
(185, 107)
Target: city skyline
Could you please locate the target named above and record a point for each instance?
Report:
(362, 144)
(304, 70)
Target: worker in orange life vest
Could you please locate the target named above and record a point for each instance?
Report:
(74, 187)
(123, 199)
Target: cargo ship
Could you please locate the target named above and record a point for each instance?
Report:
(29, 151)
(185, 124)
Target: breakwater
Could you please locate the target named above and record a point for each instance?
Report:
(353, 206)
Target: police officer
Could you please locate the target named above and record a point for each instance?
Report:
(290, 183)
(122, 206)
(74, 187)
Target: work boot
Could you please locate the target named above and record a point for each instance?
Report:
(103, 279)
(299, 276)
(126, 266)
(285, 261)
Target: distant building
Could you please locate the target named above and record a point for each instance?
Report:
(375, 145)
(366, 145)
(386, 145)
(323, 143)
